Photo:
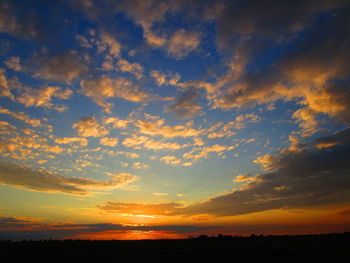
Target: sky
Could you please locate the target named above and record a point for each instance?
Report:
(143, 119)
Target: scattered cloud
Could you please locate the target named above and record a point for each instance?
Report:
(137, 142)
(89, 127)
(173, 160)
(14, 63)
(181, 43)
(117, 123)
(68, 140)
(63, 67)
(111, 142)
(43, 97)
(134, 68)
(200, 153)
(313, 177)
(5, 90)
(22, 117)
(186, 105)
(20, 24)
(157, 127)
(139, 165)
(109, 43)
(160, 78)
(165, 209)
(220, 130)
(104, 87)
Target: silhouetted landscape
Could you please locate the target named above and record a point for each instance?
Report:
(314, 248)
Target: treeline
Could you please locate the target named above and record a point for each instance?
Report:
(314, 248)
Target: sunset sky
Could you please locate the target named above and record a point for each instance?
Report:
(162, 119)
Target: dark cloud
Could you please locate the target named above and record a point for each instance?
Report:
(313, 70)
(19, 229)
(267, 18)
(186, 105)
(165, 209)
(39, 180)
(337, 138)
(21, 23)
(298, 179)
(308, 178)
(63, 66)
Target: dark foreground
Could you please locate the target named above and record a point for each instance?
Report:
(311, 248)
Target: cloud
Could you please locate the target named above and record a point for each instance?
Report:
(4, 86)
(117, 123)
(199, 153)
(104, 87)
(307, 119)
(14, 63)
(313, 177)
(89, 127)
(22, 117)
(337, 138)
(181, 43)
(220, 130)
(24, 148)
(313, 74)
(139, 165)
(39, 180)
(146, 13)
(111, 142)
(177, 45)
(173, 160)
(160, 78)
(131, 155)
(243, 178)
(63, 67)
(18, 22)
(68, 140)
(185, 105)
(6, 128)
(159, 145)
(240, 18)
(43, 97)
(27, 147)
(134, 68)
(157, 127)
(110, 43)
(19, 228)
(165, 209)
(137, 142)
(134, 141)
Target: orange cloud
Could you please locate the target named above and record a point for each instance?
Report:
(117, 123)
(89, 127)
(142, 141)
(22, 117)
(42, 97)
(134, 68)
(157, 128)
(67, 140)
(111, 142)
(104, 87)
